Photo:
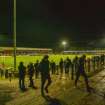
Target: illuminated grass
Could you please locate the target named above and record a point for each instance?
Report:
(8, 60)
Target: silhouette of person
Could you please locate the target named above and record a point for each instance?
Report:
(57, 69)
(1, 72)
(93, 62)
(97, 62)
(75, 63)
(45, 74)
(61, 66)
(102, 61)
(10, 75)
(6, 74)
(22, 72)
(67, 67)
(88, 64)
(31, 74)
(53, 67)
(36, 66)
(72, 70)
(81, 71)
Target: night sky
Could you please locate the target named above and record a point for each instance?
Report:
(45, 23)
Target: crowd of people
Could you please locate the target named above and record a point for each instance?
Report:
(79, 66)
(44, 69)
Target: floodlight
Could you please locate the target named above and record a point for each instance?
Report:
(64, 43)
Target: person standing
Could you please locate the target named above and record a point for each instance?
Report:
(67, 67)
(53, 67)
(31, 74)
(61, 66)
(1, 72)
(6, 73)
(36, 66)
(22, 72)
(88, 64)
(10, 75)
(81, 71)
(102, 61)
(45, 74)
(75, 63)
(72, 70)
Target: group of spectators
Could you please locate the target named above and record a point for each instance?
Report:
(45, 69)
(79, 66)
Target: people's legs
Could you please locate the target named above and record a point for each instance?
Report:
(43, 80)
(75, 69)
(86, 81)
(89, 67)
(61, 72)
(49, 83)
(67, 73)
(77, 78)
(65, 70)
(10, 77)
(72, 73)
(23, 85)
(31, 82)
(51, 70)
(36, 74)
(54, 70)
(20, 85)
(57, 69)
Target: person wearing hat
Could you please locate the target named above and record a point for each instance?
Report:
(45, 74)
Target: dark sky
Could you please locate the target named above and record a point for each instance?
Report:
(44, 23)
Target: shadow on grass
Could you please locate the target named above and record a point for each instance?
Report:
(53, 101)
(5, 96)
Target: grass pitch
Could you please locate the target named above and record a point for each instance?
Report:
(8, 61)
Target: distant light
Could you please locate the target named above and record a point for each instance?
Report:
(64, 43)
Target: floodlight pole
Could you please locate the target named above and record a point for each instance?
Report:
(14, 33)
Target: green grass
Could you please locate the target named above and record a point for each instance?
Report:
(8, 60)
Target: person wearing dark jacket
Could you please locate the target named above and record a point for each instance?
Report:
(22, 72)
(45, 74)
